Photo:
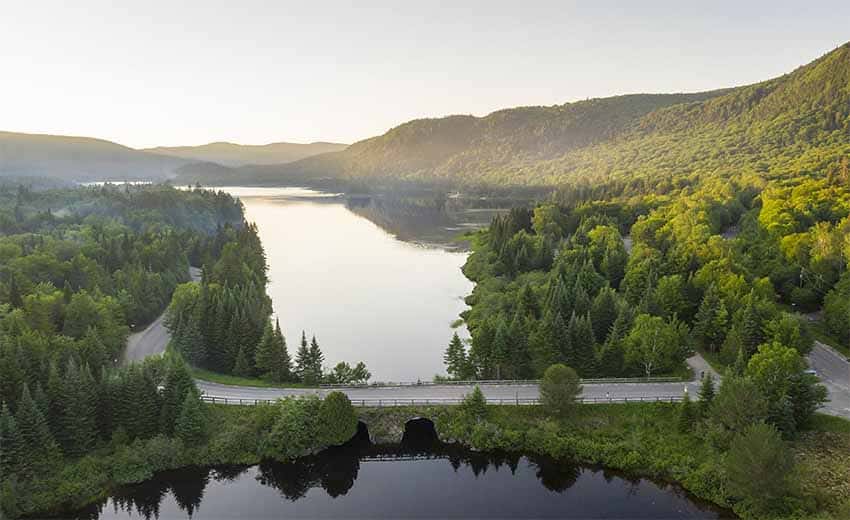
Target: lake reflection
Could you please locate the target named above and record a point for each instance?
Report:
(366, 294)
(363, 481)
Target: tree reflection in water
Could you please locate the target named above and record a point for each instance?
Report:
(334, 470)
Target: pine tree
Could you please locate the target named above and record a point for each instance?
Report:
(264, 357)
(455, 358)
(544, 343)
(519, 360)
(706, 395)
(581, 339)
(79, 422)
(242, 366)
(10, 442)
(178, 382)
(501, 348)
(750, 327)
(687, 416)
(191, 425)
(38, 450)
(711, 320)
(317, 359)
(603, 313)
(302, 358)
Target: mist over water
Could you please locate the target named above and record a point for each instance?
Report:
(367, 295)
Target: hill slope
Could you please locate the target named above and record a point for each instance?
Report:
(798, 121)
(230, 154)
(79, 159)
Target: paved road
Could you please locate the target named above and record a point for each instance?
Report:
(614, 391)
(834, 372)
(154, 338)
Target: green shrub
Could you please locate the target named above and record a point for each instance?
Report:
(559, 389)
(338, 419)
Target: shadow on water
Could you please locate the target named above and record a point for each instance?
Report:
(335, 470)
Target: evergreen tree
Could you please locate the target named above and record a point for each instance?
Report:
(501, 348)
(687, 416)
(481, 352)
(38, 450)
(79, 420)
(302, 358)
(711, 320)
(242, 366)
(177, 383)
(584, 353)
(455, 358)
(312, 374)
(706, 395)
(519, 361)
(191, 425)
(10, 442)
(603, 313)
(751, 334)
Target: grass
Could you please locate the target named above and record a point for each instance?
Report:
(822, 422)
(227, 379)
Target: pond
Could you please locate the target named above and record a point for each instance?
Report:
(408, 481)
(376, 280)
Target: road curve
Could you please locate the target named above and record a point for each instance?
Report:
(154, 338)
(833, 370)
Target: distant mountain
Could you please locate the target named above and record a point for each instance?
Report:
(627, 143)
(230, 154)
(79, 159)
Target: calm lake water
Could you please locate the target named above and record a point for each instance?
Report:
(369, 482)
(383, 294)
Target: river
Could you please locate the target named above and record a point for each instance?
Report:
(384, 294)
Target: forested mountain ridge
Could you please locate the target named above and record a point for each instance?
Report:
(628, 144)
(79, 159)
(231, 154)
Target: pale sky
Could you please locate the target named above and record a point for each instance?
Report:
(160, 72)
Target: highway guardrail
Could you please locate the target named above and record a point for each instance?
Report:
(381, 403)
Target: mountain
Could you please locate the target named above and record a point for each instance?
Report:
(79, 159)
(230, 154)
(627, 143)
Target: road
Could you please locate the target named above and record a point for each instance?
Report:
(154, 338)
(833, 369)
(493, 392)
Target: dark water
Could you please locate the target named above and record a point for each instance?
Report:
(419, 479)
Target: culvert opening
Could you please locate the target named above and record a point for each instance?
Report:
(420, 435)
(361, 437)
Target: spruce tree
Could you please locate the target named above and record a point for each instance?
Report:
(711, 321)
(283, 363)
(706, 395)
(603, 313)
(79, 421)
(242, 366)
(38, 450)
(302, 358)
(686, 418)
(584, 353)
(317, 359)
(544, 342)
(10, 442)
(501, 348)
(191, 425)
(455, 358)
(178, 382)
(264, 357)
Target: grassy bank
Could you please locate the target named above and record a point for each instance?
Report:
(640, 439)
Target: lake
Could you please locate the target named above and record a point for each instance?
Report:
(364, 481)
(375, 280)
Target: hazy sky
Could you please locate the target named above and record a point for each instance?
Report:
(187, 72)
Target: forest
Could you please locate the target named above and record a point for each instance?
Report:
(81, 269)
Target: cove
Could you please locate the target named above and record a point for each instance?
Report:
(376, 280)
(420, 478)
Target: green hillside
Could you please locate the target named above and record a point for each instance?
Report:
(794, 123)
